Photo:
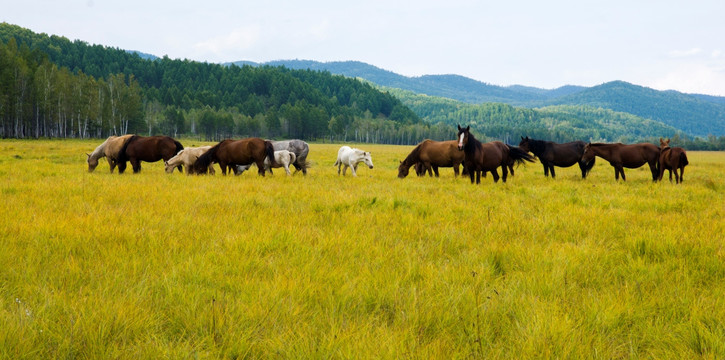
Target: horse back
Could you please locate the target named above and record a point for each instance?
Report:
(441, 153)
(565, 154)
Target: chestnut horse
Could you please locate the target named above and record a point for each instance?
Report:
(488, 157)
(230, 153)
(432, 154)
(108, 149)
(552, 154)
(622, 156)
(148, 149)
(672, 158)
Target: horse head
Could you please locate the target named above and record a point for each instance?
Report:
(524, 144)
(368, 159)
(92, 162)
(463, 136)
(403, 170)
(664, 143)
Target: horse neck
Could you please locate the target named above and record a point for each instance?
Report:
(413, 157)
(472, 145)
(537, 146)
(99, 152)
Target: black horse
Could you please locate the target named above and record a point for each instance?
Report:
(487, 157)
(553, 154)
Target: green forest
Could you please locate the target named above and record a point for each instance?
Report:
(54, 87)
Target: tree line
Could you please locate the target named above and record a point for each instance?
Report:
(54, 87)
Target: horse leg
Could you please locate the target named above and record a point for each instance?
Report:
(504, 173)
(286, 168)
(353, 170)
(546, 170)
(494, 173)
(136, 164)
(111, 164)
(553, 173)
(670, 170)
(478, 177)
(121, 167)
(435, 169)
(455, 170)
(472, 175)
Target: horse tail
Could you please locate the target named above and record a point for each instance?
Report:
(179, 147)
(122, 157)
(683, 159)
(292, 157)
(269, 149)
(518, 155)
(201, 165)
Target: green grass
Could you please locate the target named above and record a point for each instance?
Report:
(150, 265)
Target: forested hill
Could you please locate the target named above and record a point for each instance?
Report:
(52, 86)
(693, 115)
(699, 115)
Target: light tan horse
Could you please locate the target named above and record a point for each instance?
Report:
(108, 149)
(187, 157)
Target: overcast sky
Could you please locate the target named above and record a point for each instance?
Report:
(662, 44)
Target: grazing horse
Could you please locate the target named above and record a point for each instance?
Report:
(108, 149)
(230, 153)
(622, 156)
(283, 158)
(552, 154)
(672, 158)
(350, 157)
(299, 148)
(187, 157)
(148, 149)
(488, 157)
(432, 154)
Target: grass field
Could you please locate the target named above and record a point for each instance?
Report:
(151, 265)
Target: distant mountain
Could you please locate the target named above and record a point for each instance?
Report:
(691, 114)
(454, 87)
(142, 55)
(699, 115)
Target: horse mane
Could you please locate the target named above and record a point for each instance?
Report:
(537, 146)
(414, 155)
(473, 145)
(99, 151)
(202, 162)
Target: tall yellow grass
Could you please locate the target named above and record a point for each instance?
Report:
(150, 265)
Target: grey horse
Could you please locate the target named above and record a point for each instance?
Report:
(299, 148)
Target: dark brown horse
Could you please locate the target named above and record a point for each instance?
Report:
(672, 158)
(230, 153)
(622, 156)
(432, 155)
(552, 154)
(487, 157)
(148, 149)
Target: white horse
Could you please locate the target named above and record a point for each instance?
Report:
(350, 157)
(187, 157)
(283, 158)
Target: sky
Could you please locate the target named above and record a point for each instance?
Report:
(661, 44)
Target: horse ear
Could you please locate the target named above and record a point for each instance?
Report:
(468, 127)
(459, 127)
(89, 155)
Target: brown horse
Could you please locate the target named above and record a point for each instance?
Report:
(432, 155)
(552, 154)
(622, 156)
(148, 149)
(108, 149)
(230, 153)
(672, 159)
(488, 157)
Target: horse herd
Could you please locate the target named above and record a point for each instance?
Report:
(476, 157)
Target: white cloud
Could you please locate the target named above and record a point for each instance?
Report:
(684, 53)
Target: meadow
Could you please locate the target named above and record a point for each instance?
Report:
(152, 265)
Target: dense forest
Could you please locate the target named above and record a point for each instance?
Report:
(54, 87)
(561, 123)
